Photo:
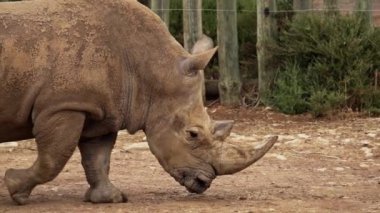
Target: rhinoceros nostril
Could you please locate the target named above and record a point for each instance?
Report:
(201, 183)
(203, 180)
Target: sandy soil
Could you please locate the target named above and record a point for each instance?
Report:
(317, 166)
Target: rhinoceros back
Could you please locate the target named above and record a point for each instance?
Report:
(84, 55)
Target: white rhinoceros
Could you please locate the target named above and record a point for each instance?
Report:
(75, 72)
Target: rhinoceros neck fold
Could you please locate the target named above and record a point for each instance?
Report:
(137, 96)
(149, 58)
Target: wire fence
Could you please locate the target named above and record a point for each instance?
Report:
(375, 13)
(276, 11)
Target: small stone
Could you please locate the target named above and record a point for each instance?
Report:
(339, 169)
(233, 134)
(286, 137)
(372, 135)
(365, 143)
(294, 142)
(55, 189)
(322, 140)
(122, 133)
(321, 169)
(303, 136)
(363, 165)
(268, 108)
(8, 145)
(347, 140)
(136, 147)
(242, 198)
(367, 152)
(280, 157)
(331, 183)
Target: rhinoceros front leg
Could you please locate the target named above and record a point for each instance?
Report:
(96, 153)
(57, 137)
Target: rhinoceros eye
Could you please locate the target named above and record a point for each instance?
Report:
(193, 136)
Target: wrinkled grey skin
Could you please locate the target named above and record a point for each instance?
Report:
(75, 72)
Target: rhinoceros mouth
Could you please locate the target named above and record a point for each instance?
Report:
(194, 181)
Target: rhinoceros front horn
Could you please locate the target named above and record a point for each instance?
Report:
(233, 158)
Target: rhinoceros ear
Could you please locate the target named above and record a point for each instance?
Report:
(191, 65)
(222, 129)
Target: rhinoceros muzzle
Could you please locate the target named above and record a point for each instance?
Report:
(194, 180)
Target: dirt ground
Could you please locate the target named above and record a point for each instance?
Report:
(329, 165)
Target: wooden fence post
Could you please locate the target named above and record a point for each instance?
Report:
(365, 10)
(192, 22)
(161, 8)
(300, 5)
(266, 25)
(229, 80)
(331, 6)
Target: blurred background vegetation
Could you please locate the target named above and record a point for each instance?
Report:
(324, 61)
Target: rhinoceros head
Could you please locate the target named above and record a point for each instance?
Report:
(189, 145)
(200, 152)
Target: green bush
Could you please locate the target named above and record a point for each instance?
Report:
(324, 102)
(371, 101)
(330, 59)
(290, 97)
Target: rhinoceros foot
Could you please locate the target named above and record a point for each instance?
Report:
(18, 186)
(107, 193)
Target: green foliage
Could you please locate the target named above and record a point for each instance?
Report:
(175, 20)
(332, 60)
(209, 18)
(371, 101)
(246, 22)
(324, 102)
(290, 94)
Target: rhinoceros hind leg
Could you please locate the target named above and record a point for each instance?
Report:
(96, 153)
(56, 137)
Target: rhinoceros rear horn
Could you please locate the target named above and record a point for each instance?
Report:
(234, 158)
(197, 62)
(203, 44)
